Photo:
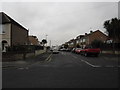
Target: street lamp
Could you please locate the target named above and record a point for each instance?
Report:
(46, 38)
(50, 43)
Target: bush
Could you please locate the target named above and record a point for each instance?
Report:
(97, 43)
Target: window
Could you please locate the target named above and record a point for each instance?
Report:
(2, 29)
(81, 40)
(77, 41)
(84, 40)
(72, 43)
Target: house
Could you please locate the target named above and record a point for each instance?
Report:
(71, 43)
(33, 40)
(78, 40)
(12, 32)
(96, 35)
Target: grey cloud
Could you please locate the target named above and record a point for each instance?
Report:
(62, 21)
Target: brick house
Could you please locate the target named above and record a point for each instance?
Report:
(12, 33)
(96, 35)
(33, 40)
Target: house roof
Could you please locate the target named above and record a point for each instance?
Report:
(94, 32)
(33, 36)
(6, 19)
(80, 36)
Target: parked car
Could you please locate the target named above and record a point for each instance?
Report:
(62, 49)
(78, 50)
(55, 51)
(90, 51)
(73, 50)
(51, 50)
(68, 49)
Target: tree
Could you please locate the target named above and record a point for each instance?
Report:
(113, 28)
(44, 41)
(66, 46)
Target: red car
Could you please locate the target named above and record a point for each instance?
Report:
(90, 51)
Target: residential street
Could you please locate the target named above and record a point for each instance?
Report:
(64, 70)
(60, 44)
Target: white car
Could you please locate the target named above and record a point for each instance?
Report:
(55, 51)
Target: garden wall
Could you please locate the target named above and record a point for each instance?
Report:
(20, 56)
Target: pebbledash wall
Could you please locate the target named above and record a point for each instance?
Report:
(7, 35)
(21, 56)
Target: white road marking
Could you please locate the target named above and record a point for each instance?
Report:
(21, 68)
(49, 60)
(95, 65)
(48, 57)
(26, 68)
(89, 63)
(86, 62)
(92, 64)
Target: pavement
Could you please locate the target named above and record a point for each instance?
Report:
(27, 62)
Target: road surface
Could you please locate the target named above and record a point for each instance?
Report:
(65, 70)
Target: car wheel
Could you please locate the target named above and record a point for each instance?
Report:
(96, 55)
(86, 54)
(80, 53)
(83, 53)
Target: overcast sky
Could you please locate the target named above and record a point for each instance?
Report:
(61, 21)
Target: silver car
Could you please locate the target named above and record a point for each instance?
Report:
(55, 51)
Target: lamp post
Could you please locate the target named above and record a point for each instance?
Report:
(46, 38)
(50, 43)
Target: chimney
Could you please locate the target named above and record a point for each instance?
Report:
(91, 31)
(85, 33)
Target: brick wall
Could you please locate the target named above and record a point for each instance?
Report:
(33, 40)
(20, 56)
(19, 35)
(97, 35)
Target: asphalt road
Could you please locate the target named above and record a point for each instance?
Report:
(65, 70)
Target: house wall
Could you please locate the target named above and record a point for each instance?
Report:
(84, 42)
(96, 35)
(91, 37)
(19, 35)
(7, 35)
